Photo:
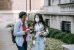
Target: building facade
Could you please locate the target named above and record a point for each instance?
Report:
(5, 5)
(59, 14)
(19, 5)
(9, 9)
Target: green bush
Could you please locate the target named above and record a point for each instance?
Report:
(67, 38)
(59, 35)
(54, 33)
(30, 23)
(72, 37)
(63, 36)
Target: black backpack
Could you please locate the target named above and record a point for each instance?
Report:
(12, 33)
(13, 37)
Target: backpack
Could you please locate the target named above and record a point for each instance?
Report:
(12, 33)
(13, 37)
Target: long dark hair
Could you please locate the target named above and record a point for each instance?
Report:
(40, 20)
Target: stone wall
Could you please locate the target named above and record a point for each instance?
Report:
(5, 5)
(55, 21)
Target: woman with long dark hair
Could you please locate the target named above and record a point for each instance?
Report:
(40, 31)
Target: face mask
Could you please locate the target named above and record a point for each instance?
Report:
(37, 19)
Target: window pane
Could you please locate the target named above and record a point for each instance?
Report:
(49, 2)
(66, 26)
(72, 1)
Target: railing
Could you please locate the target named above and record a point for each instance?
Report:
(52, 9)
(68, 7)
(61, 8)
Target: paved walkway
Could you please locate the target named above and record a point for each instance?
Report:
(5, 39)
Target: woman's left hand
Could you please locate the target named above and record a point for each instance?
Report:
(30, 27)
(27, 30)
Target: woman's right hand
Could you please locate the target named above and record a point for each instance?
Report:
(24, 32)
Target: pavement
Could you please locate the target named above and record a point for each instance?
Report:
(69, 46)
(6, 39)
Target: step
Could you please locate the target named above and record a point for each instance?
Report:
(69, 46)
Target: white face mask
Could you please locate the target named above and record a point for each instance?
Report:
(37, 19)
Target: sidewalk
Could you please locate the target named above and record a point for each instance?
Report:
(5, 40)
(69, 46)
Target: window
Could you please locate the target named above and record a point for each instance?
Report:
(72, 1)
(49, 2)
(54, 2)
(47, 22)
(66, 26)
(5, 4)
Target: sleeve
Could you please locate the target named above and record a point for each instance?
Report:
(17, 31)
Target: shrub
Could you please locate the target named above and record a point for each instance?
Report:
(63, 36)
(30, 23)
(10, 25)
(59, 35)
(67, 38)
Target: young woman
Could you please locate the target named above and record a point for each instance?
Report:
(41, 31)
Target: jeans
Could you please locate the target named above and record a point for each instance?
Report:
(39, 44)
(24, 47)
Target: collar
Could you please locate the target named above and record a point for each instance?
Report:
(22, 22)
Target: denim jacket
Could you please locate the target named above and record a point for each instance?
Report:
(18, 32)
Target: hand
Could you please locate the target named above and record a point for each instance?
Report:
(24, 32)
(30, 27)
(27, 30)
(42, 34)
